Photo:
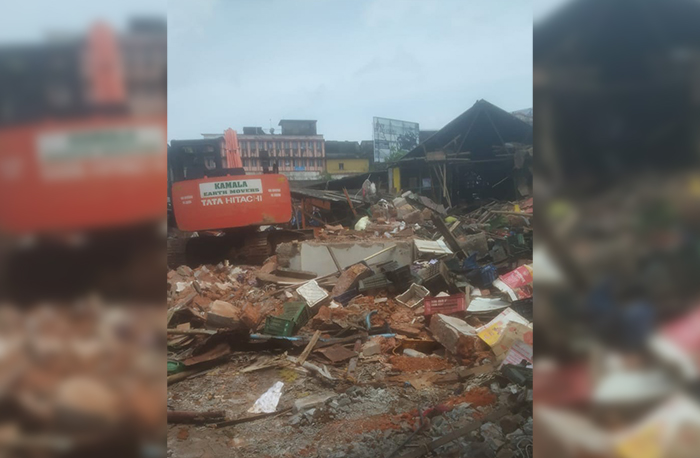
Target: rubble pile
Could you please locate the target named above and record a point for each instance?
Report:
(81, 377)
(618, 320)
(411, 330)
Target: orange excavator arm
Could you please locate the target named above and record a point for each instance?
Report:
(233, 155)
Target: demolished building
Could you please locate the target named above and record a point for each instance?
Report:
(402, 331)
(484, 152)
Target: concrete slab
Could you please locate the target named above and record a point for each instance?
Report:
(311, 402)
(314, 256)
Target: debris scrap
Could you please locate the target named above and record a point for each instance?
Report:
(363, 339)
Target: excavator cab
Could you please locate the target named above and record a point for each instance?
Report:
(196, 159)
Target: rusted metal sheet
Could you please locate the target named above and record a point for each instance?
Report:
(337, 353)
(318, 203)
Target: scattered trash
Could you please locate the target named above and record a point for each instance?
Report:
(517, 283)
(267, 403)
(447, 305)
(413, 297)
(312, 293)
(361, 225)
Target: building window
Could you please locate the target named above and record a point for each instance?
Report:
(319, 147)
(278, 145)
(286, 144)
(286, 163)
(341, 166)
(269, 145)
(319, 162)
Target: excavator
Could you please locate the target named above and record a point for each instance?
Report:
(216, 210)
(82, 171)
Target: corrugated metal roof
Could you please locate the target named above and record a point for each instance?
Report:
(476, 130)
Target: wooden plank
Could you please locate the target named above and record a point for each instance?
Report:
(191, 417)
(188, 332)
(449, 238)
(347, 196)
(277, 280)
(238, 421)
(497, 212)
(303, 213)
(309, 347)
(323, 204)
(180, 305)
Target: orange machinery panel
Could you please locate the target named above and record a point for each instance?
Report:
(82, 174)
(231, 201)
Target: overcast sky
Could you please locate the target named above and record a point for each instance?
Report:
(32, 20)
(246, 62)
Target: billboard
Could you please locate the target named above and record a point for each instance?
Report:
(391, 135)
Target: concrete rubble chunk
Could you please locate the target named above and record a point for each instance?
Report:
(406, 330)
(223, 314)
(492, 435)
(474, 243)
(250, 316)
(447, 330)
(184, 271)
(88, 398)
(399, 202)
(413, 217)
(371, 348)
(223, 308)
(349, 278)
(432, 247)
(414, 353)
(311, 402)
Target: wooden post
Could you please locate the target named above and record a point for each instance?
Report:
(347, 196)
(179, 417)
(335, 260)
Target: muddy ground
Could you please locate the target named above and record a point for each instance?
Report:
(372, 418)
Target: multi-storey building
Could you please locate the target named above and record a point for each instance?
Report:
(348, 158)
(298, 150)
(71, 75)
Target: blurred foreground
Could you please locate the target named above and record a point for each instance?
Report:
(617, 248)
(82, 239)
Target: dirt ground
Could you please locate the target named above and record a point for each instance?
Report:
(372, 418)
